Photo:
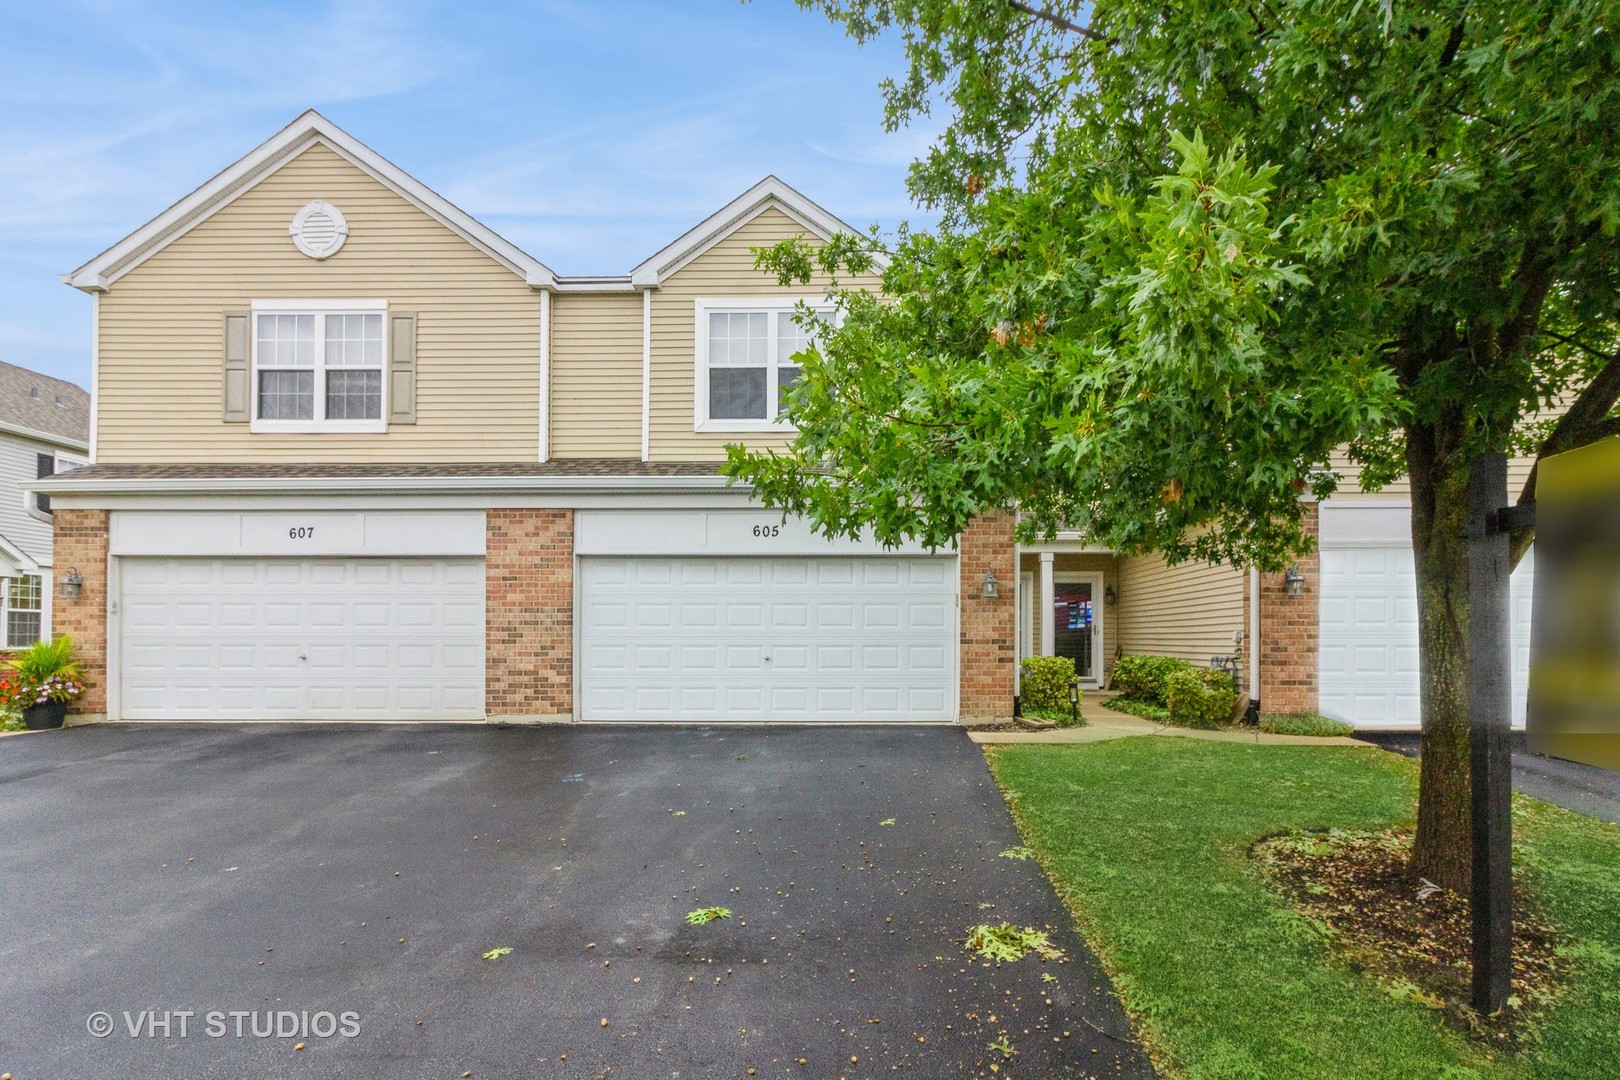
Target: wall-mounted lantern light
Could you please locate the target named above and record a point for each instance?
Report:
(1110, 595)
(72, 584)
(991, 587)
(1295, 581)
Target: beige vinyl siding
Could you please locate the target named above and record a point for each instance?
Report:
(1190, 610)
(1401, 488)
(596, 376)
(726, 269)
(478, 329)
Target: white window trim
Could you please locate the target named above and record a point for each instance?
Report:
(320, 309)
(44, 609)
(702, 306)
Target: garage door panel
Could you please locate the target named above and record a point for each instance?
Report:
(302, 639)
(1368, 659)
(775, 638)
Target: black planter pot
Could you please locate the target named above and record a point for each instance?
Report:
(49, 714)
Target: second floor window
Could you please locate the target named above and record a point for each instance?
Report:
(318, 368)
(745, 363)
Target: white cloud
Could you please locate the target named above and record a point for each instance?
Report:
(171, 94)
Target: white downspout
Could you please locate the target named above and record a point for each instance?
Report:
(646, 374)
(545, 376)
(1254, 635)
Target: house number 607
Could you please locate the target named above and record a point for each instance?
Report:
(301, 532)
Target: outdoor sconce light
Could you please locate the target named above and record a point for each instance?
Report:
(991, 587)
(72, 584)
(1295, 581)
(1110, 595)
(1074, 699)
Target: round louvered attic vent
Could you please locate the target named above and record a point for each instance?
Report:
(319, 230)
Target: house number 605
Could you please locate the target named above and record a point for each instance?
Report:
(301, 532)
(767, 530)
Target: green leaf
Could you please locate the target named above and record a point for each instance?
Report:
(706, 915)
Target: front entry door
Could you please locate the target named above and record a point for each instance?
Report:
(1077, 622)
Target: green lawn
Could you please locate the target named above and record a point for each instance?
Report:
(1146, 840)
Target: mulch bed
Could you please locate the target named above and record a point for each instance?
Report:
(1410, 934)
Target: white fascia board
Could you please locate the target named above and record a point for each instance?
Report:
(45, 437)
(393, 484)
(20, 559)
(311, 128)
(594, 285)
(769, 192)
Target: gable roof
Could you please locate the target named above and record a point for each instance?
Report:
(35, 404)
(308, 130)
(14, 560)
(770, 192)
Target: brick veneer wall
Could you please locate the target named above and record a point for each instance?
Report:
(989, 647)
(1289, 635)
(80, 543)
(529, 614)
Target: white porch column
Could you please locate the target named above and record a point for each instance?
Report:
(1048, 621)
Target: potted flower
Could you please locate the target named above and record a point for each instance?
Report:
(44, 677)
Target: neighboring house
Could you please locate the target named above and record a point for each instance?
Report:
(44, 429)
(358, 457)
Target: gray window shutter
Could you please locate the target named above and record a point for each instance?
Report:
(402, 367)
(236, 401)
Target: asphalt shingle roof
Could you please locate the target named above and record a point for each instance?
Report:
(41, 403)
(597, 467)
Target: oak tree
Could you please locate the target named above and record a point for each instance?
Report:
(1198, 260)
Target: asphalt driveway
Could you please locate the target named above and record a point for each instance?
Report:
(1584, 789)
(262, 873)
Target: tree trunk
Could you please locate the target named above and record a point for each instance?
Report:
(1443, 851)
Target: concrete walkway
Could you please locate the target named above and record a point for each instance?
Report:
(1103, 723)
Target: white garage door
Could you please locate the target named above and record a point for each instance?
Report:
(706, 639)
(302, 639)
(1369, 636)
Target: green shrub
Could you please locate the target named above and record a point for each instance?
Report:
(1142, 707)
(1147, 677)
(1200, 699)
(1044, 682)
(1306, 723)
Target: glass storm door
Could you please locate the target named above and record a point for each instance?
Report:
(1075, 625)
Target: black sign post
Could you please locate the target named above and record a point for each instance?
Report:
(1490, 697)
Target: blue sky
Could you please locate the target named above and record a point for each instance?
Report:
(588, 132)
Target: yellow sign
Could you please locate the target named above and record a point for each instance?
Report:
(1574, 705)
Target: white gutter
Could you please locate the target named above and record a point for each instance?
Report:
(45, 437)
(594, 285)
(464, 485)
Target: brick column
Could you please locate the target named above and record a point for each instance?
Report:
(1289, 634)
(529, 614)
(80, 543)
(989, 646)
